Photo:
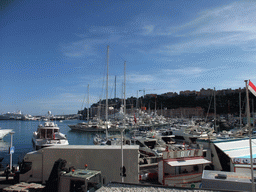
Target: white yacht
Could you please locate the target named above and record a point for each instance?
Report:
(48, 135)
(12, 116)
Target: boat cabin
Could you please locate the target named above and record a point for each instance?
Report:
(148, 146)
(47, 131)
(150, 143)
(181, 167)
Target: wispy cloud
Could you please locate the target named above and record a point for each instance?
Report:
(235, 17)
(76, 49)
(192, 71)
(229, 25)
(137, 78)
(148, 29)
(110, 30)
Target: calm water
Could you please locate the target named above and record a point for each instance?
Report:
(22, 139)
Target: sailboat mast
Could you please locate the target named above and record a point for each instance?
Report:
(240, 110)
(124, 87)
(107, 86)
(250, 134)
(107, 94)
(99, 110)
(115, 87)
(115, 100)
(214, 96)
(88, 111)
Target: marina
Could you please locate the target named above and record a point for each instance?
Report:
(165, 105)
(159, 156)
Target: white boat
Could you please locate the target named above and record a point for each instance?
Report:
(48, 135)
(4, 132)
(12, 116)
(182, 167)
(149, 147)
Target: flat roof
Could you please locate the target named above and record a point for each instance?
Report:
(188, 162)
(237, 148)
(230, 176)
(82, 173)
(136, 147)
(114, 186)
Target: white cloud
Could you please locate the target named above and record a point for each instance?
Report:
(229, 25)
(76, 49)
(148, 29)
(235, 17)
(137, 78)
(194, 71)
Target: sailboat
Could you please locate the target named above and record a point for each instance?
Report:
(89, 126)
(97, 139)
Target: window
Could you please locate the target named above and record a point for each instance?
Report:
(25, 167)
(49, 133)
(76, 185)
(150, 144)
(42, 133)
(139, 143)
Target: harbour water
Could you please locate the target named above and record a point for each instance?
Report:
(22, 138)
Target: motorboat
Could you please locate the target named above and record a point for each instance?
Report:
(149, 146)
(4, 132)
(48, 135)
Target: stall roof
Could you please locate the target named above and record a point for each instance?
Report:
(230, 176)
(188, 162)
(237, 148)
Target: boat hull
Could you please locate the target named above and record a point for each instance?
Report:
(38, 144)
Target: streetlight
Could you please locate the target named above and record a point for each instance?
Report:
(122, 128)
(11, 149)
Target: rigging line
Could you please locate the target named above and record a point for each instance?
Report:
(112, 89)
(209, 108)
(104, 79)
(83, 102)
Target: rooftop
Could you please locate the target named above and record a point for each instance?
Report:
(118, 187)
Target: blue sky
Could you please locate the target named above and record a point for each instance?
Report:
(51, 50)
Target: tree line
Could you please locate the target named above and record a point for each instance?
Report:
(225, 104)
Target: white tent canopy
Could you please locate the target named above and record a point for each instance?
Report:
(188, 162)
(237, 148)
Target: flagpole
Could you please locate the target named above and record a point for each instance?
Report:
(250, 132)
